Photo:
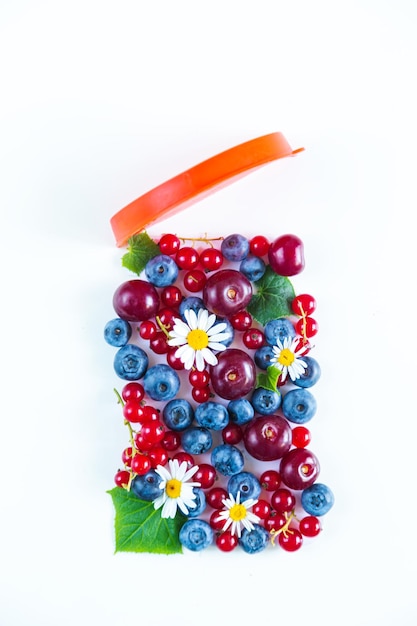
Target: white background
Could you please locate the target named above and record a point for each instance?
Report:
(100, 102)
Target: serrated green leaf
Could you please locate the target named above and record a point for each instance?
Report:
(140, 249)
(140, 528)
(268, 379)
(272, 298)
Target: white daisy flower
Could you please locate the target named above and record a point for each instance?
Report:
(237, 515)
(286, 359)
(197, 338)
(176, 489)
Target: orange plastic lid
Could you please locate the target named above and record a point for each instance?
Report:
(199, 181)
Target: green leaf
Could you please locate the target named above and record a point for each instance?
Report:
(140, 248)
(272, 298)
(269, 379)
(140, 528)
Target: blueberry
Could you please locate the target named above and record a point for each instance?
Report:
(196, 534)
(197, 440)
(200, 503)
(178, 414)
(235, 247)
(161, 270)
(263, 356)
(317, 499)
(192, 302)
(161, 382)
(310, 375)
(240, 411)
(229, 330)
(146, 487)
(227, 459)
(253, 267)
(117, 332)
(130, 362)
(280, 328)
(245, 482)
(265, 401)
(253, 541)
(212, 415)
(299, 406)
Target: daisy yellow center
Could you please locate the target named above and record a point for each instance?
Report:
(197, 339)
(173, 488)
(237, 512)
(286, 357)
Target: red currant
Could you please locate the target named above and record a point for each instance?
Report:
(158, 343)
(147, 329)
(133, 391)
(253, 338)
(127, 456)
(242, 320)
(150, 414)
(143, 445)
(187, 258)
(307, 327)
(215, 521)
(303, 305)
(171, 440)
(167, 317)
(173, 360)
(226, 542)
(158, 456)
(141, 464)
(301, 437)
(199, 379)
(121, 478)
(282, 501)
(205, 475)
(184, 456)
(290, 540)
(194, 280)
(215, 497)
(133, 411)
(152, 432)
(310, 526)
(270, 480)
(275, 522)
(200, 394)
(259, 245)
(211, 259)
(232, 434)
(171, 296)
(262, 509)
(169, 244)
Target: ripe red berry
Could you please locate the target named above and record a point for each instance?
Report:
(275, 522)
(259, 245)
(121, 478)
(133, 391)
(152, 432)
(242, 320)
(270, 480)
(262, 509)
(301, 437)
(127, 456)
(158, 343)
(290, 540)
(141, 464)
(200, 394)
(158, 456)
(205, 475)
(133, 411)
(253, 338)
(307, 327)
(194, 280)
(169, 244)
(199, 379)
(211, 259)
(226, 542)
(215, 497)
(187, 258)
(184, 456)
(215, 521)
(310, 526)
(171, 296)
(174, 361)
(171, 440)
(232, 434)
(303, 305)
(282, 501)
(147, 329)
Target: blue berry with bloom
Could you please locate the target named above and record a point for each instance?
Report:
(265, 401)
(196, 535)
(240, 411)
(117, 332)
(227, 459)
(246, 483)
(147, 486)
(253, 267)
(161, 270)
(212, 415)
(197, 440)
(317, 499)
(235, 247)
(299, 406)
(130, 362)
(178, 414)
(280, 328)
(311, 373)
(161, 382)
(255, 540)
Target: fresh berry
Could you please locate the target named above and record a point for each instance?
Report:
(197, 440)
(211, 259)
(122, 478)
(227, 292)
(161, 270)
(286, 255)
(268, 438)
(270, 480)
(299, 406)
(317, 499)
(299, 468)
(234, 375)
(117, 332)
(130, 362)
(303, 305)
(309, 526)
(259, 245)
(187, 258)
(254, 541)
(169, 244)
(301, 437)
(196, 535)
(136, 300)
(226, 542)
(161, 383)
(133, 391)
(290, 540)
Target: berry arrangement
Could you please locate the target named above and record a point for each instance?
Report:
(213, 348)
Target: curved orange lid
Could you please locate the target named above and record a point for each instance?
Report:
(199, 181)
